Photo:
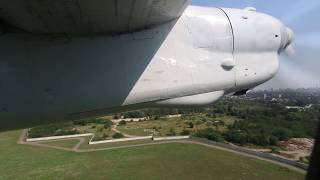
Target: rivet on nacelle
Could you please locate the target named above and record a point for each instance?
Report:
(244, 17)
(250, 9)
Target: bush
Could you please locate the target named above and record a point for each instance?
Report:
(237, 136)
(185, 132)
(66, 132)
(84, 122)
(242, 137)
(117, 136)
(171, 132)
(108, 124)
(260, 139)
(134, 114)
(190, 124)
(273, 141)
(282, 133)
(210, 134)
(47, 130)
(98, 138)
(105, 135)
(122, 123)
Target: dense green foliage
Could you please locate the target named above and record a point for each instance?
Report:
(267, 123)
(156, 113)
(107, 123)
(83, 122)
(52, 130)
(261, 123)
(59, 129)
(210, 134)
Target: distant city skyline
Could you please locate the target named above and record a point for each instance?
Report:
(302, 17)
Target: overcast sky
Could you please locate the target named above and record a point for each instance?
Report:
(303, 17)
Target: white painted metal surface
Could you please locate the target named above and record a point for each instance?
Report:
(193, 100)
(184, 65)
(257, 41)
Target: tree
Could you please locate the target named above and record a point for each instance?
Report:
(282, 133)
(237, 136)
(118, 135)
(273, 141)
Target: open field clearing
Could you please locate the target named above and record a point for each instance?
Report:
(162, 161)
(174, 126)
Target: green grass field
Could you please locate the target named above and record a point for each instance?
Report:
(70, 143)
(165, 161)
(85, 145)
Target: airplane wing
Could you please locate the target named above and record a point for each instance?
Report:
(82, 17)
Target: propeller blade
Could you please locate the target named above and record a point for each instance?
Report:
(290, 51)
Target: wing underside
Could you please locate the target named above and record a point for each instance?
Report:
(78, 17)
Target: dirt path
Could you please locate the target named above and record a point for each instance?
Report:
(22, 137)
(76, 147)
(114, 128)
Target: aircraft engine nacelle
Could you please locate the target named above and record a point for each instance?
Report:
(258, 41)
(219, 50)
(191, 61)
